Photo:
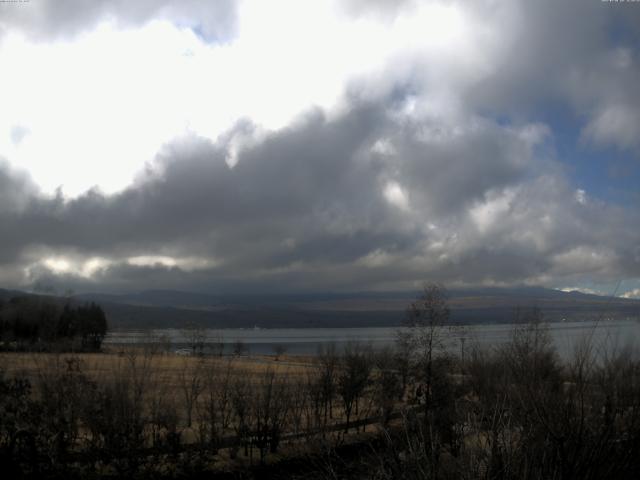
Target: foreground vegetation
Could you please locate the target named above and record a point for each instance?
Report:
(415, 411)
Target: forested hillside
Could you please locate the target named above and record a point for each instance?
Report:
(30, 322)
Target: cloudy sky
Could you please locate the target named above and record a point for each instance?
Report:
(343, 145)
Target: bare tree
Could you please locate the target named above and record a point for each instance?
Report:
(217, 344)
(242, 412)
(313, 407)
(387, 383)
(425, 321)
(270, 407)
(116, 414)
(299, 405)
(403, 359)
(279, 350)
(239, 348)
(215, 409)
(191, 385)
(354, 377)
(164, 342)
(63, 390)
(163, 418)
(425, 324)
(196, 337)
(328, 368)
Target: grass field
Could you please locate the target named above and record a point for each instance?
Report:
(168, 366)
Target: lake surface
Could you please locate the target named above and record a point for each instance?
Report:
(307, 341)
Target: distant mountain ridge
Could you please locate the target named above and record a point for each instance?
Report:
(175, 309)
(160, 308)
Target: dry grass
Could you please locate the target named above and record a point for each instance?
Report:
(168, 367)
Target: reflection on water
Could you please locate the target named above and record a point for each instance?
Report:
(306, 341)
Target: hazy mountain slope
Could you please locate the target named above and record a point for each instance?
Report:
(176, 309)
(173, 309)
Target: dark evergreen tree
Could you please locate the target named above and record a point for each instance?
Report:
(32, 322)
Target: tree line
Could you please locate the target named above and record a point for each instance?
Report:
(48, 323)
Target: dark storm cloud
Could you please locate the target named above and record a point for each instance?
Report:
(18, 195)
(46, 20)
(15, 189)
(306, 208)
(300, 183)
(448, 168)
(317, 184)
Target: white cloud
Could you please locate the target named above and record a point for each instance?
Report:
(635, 293)
(74, 264)
(584, 259)
(376, 259)
(486, 213)
(184, 263)
(615, 124)
(58, 265)
(588, 291)
(383, 146)
(396, 195)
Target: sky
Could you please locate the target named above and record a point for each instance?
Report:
(319, 146)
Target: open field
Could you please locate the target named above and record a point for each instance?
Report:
(168, 366)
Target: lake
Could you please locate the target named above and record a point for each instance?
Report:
(306, 341)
